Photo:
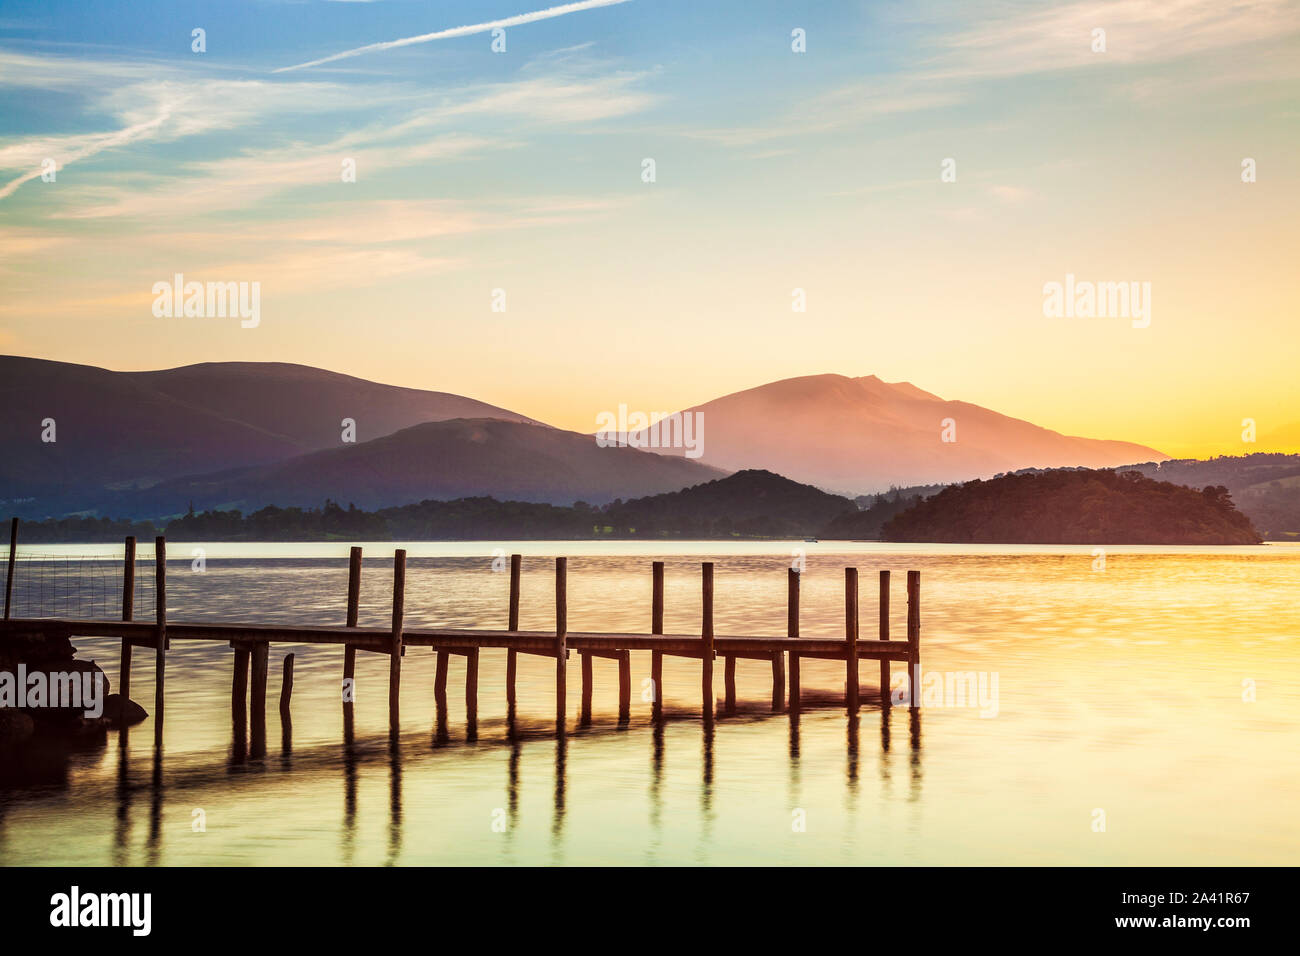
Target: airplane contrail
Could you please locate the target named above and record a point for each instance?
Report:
(514, 21)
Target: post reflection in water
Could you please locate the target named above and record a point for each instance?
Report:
(354, 753)
(557, 822)
(394, 799)
(349, 800)
(153, 846)
(656, 791)
(122, 824)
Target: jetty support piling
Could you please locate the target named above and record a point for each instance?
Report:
(706, 641)
(286, 690)
(353, 612)
(657, 627)
(884, 636)
(561, 648)
(851, 637)
(914, 638)
(792, 631)
(395, 644)
(160, 635)
(128, 613)
(251, 645)
(9, 573)
(512, 625)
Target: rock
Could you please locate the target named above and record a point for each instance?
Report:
(121, 711)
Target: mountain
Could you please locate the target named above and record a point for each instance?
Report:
(1074, 507)
(748, 504)
(855, 435)
(459, 458)
(134, 429)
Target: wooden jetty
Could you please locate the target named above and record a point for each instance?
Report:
(251, 645)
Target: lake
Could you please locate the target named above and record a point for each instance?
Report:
(1147, 711)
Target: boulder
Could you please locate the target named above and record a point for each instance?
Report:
(121, 711)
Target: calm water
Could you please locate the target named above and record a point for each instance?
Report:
(1119, 690)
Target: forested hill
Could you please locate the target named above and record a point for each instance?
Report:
(1074, 507)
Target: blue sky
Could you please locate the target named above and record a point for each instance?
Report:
(820, 170)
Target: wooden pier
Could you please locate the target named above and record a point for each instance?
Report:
(251, 644)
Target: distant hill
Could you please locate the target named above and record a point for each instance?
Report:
(1074, 507)
(135, 429)
(868, 523)
(751, 503)
(459, 458)
(858, 435)
(1265, 487)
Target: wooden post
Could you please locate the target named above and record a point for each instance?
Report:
(884, 636)
(239, 690)
(851, 637)
(354, 607)
(625, 686)
(512, 625)
(286, 689)
(729, 681)
(261, 654)
(440, 690)
(395, 643)
(128, 613)
(471, 694)
(657, 627)
(9, 576)
(792, 630)
(160, 635)
(584, 715)
(914, 638)
(561, 632)
(706, 640)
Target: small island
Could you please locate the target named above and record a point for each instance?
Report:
(1074, 507)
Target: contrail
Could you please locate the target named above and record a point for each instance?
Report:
(514, 21)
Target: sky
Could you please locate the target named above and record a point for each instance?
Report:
(920, 171)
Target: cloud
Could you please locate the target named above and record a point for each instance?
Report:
(154, 102)
(518, 20)
(1038, 39)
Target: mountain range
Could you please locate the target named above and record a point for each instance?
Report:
(248, 434)
(851, 435)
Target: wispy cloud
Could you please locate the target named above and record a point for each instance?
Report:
(518, 20)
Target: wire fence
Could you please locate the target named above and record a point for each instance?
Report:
(76, 586)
